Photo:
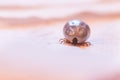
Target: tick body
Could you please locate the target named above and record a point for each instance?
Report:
(76, 32)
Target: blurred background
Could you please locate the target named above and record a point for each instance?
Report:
(30, 31)
(29, 13)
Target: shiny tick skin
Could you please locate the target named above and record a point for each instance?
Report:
(76, 31)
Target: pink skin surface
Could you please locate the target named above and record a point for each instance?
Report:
(30, 34)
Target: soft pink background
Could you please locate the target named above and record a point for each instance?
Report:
(29, 40)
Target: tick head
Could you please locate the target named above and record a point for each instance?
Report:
(74, 41)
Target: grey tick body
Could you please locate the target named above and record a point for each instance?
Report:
(76, 31)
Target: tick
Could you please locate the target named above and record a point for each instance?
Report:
(76, 32)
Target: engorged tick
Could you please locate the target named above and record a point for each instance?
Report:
(76, 32)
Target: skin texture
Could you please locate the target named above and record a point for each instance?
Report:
(30, 34)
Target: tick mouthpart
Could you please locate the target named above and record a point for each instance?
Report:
(74, 41)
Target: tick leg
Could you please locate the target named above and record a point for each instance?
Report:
(85, 44)
(63, 41)
(66, 42)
